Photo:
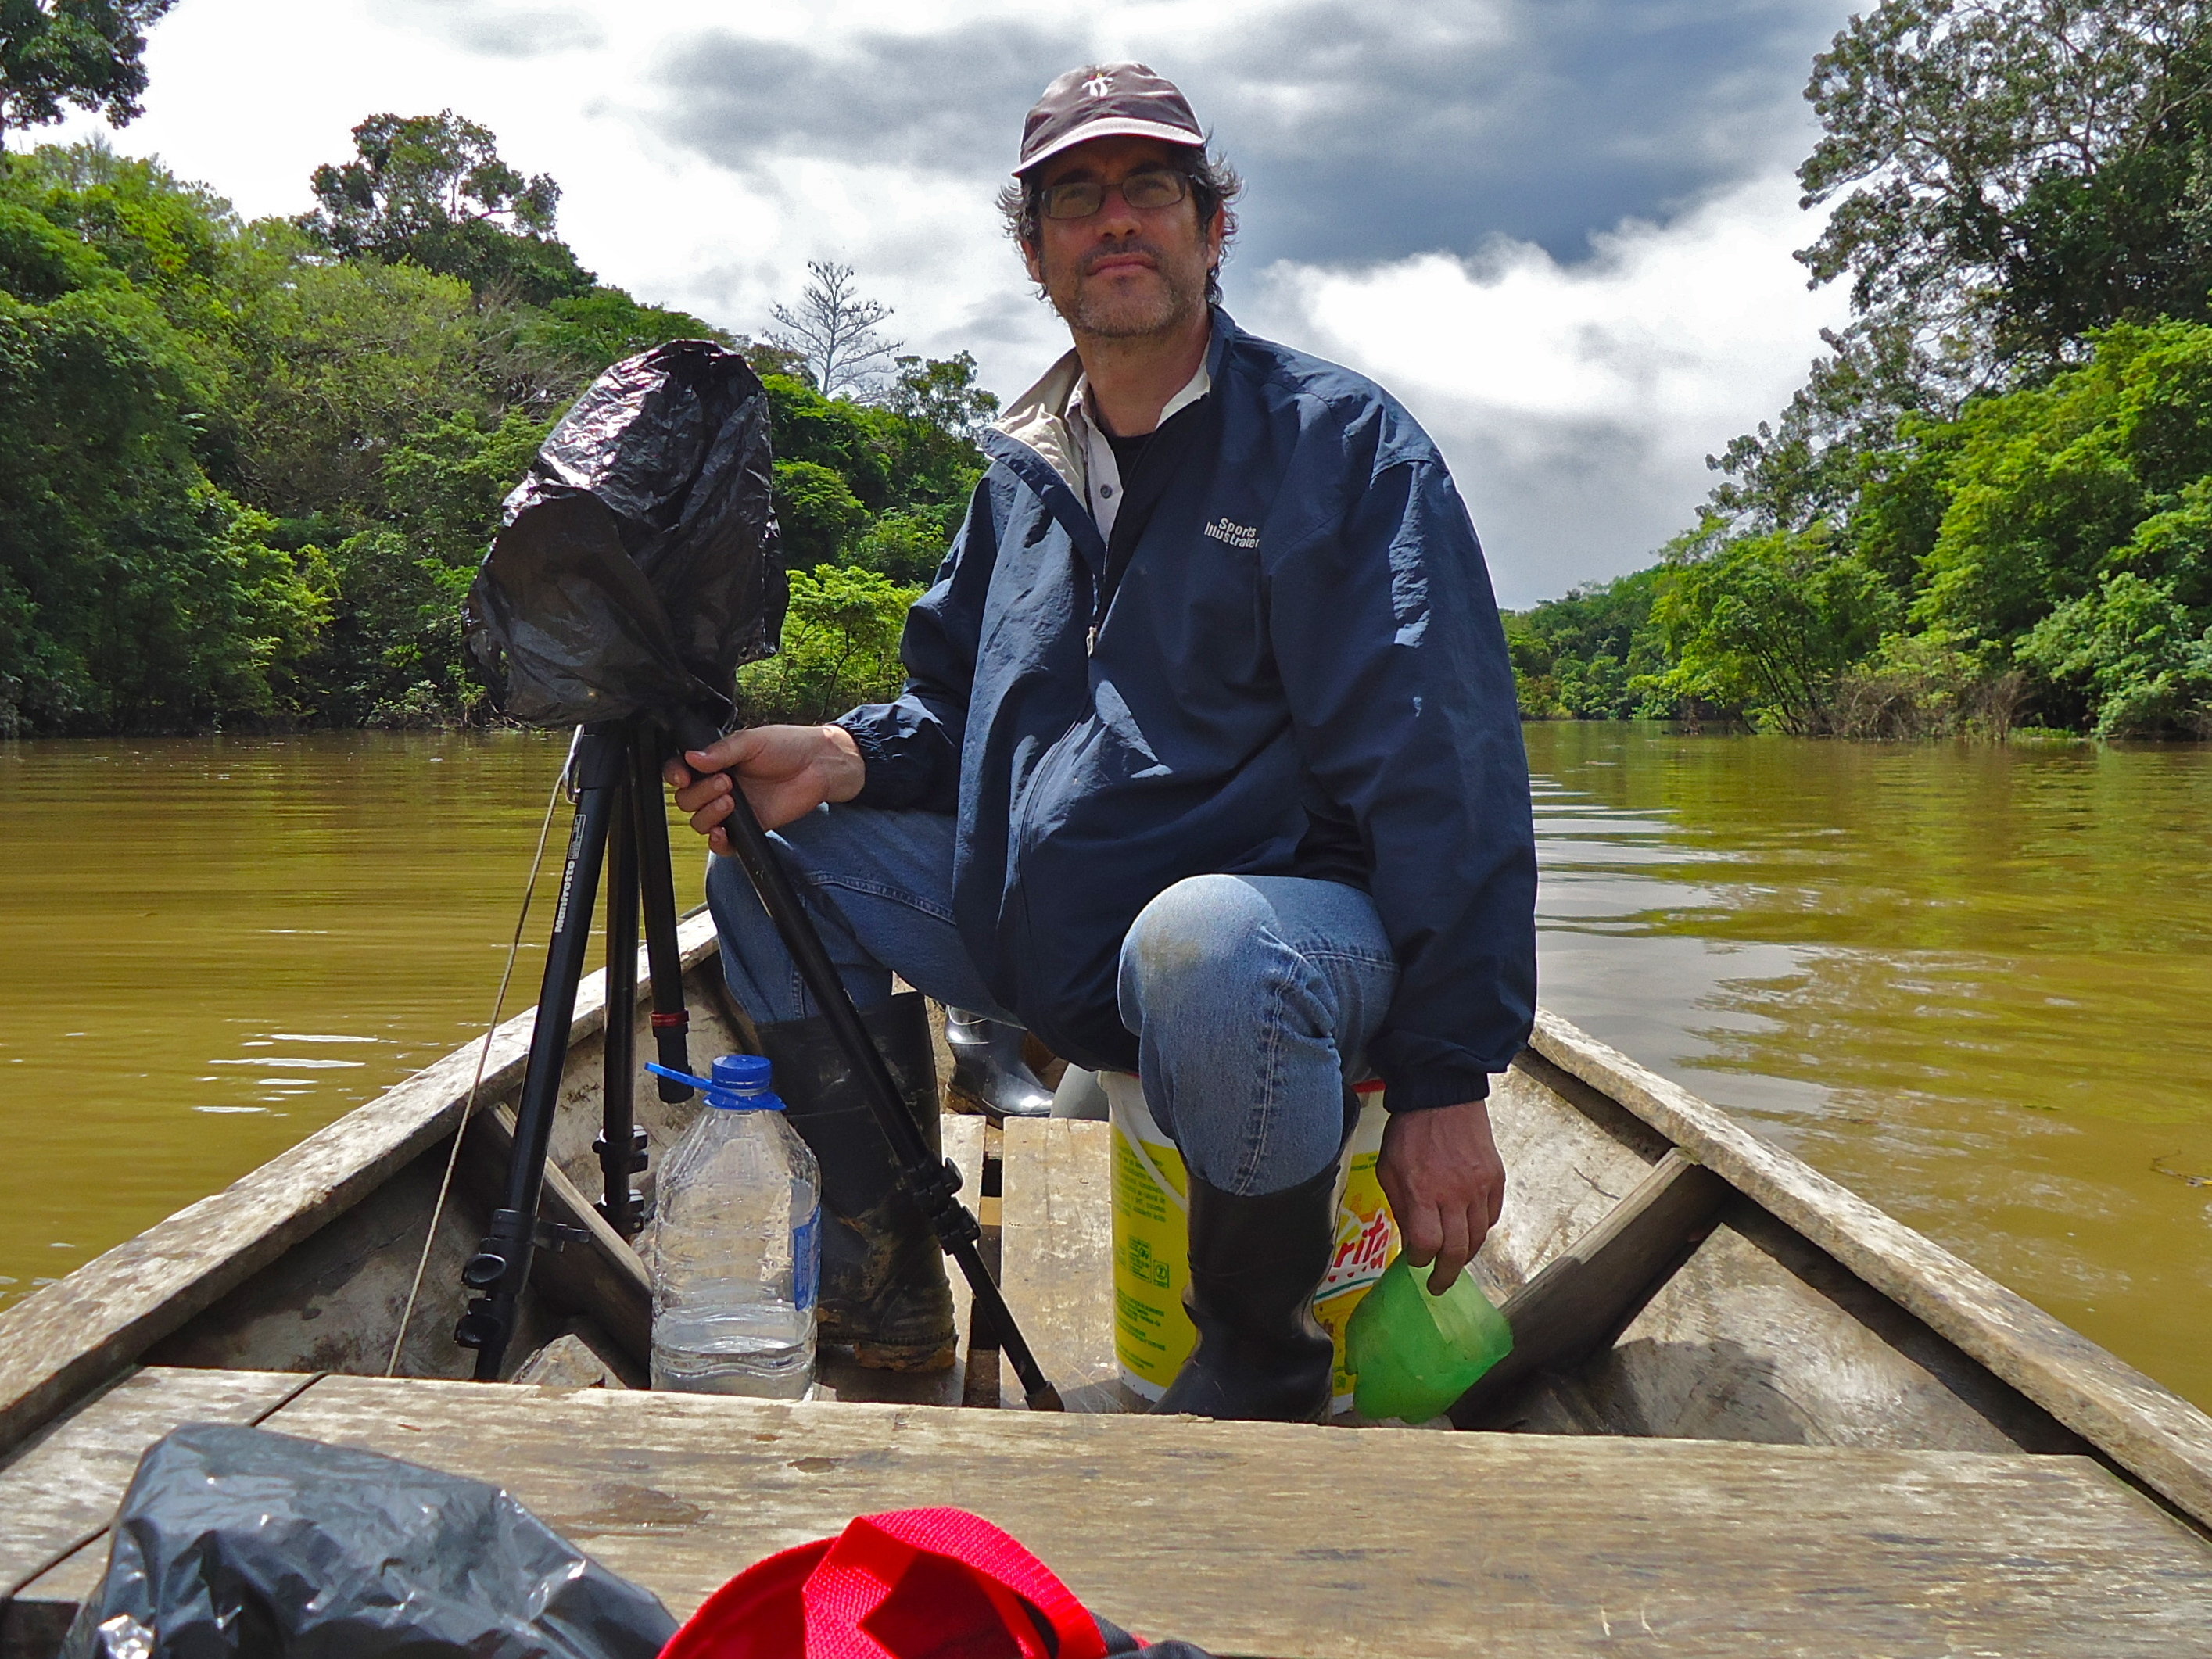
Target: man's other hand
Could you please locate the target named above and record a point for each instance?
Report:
(788, 771)
(1446, 1184)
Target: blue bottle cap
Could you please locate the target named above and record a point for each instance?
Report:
(740, 1084)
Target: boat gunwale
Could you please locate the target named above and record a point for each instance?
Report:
(2142, 1427)
(105, 1315)
(69, 1337)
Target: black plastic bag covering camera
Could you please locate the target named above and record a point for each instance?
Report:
(236, 1543)
(637, 568)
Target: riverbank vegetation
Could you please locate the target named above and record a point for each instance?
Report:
(251, 467)
(1992, 501)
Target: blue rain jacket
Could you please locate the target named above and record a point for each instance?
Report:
(1289, 662)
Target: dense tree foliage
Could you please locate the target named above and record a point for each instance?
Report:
(1593, 654)
(251, 466)
(261, 473)
(2046, 555)
(1992, 501)
(1768, 625)
(432, 190)
(86, 53)
(135, 587)
(879, 486)
(2009, 175)
(840, 648)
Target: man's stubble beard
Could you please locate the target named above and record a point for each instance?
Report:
(1132, 316)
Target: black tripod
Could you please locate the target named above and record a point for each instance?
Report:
(619, 822)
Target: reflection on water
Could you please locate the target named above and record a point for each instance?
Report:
(1968, 983)
(216, 946)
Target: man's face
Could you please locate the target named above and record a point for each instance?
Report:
(1124, 272)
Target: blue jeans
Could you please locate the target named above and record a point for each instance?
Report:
(1252, 998)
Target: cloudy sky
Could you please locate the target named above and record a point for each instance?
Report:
(1559, 229)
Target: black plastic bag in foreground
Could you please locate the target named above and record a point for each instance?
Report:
(235, 1543)
(637, 568)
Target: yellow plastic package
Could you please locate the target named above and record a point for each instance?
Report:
(1152, 1335)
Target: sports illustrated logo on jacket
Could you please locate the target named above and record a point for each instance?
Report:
(1236, 535)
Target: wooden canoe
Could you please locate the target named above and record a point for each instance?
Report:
(1746, 1412)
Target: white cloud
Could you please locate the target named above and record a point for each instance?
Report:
(1576, 403)
(1575, 400)
(644, 212)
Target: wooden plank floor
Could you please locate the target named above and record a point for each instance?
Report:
(1056, 1254)
(58, 1489)
(1261, 1540)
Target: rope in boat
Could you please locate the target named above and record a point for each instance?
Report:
(484, 1058)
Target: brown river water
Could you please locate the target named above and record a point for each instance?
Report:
(1972, 984)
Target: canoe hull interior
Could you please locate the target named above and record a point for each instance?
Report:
(1676, 1278)
(1744, 1331)
(332, 1302)
(1720, 1324)
(1749, 1332)
(1755, 1413)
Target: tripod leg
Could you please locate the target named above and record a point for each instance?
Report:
(501, 1268)
(933, 1186)
(621, 1145)
(664, 956)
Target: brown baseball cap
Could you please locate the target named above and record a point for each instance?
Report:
(1103, 100)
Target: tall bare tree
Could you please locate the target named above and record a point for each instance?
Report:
(833, 330)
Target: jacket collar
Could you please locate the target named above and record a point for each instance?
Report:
(1038, 420)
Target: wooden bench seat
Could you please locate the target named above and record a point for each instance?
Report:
(1246, 1539)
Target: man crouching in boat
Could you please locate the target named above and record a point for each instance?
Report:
(1208, 766)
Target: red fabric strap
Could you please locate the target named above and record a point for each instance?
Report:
(936, 1583)
(756, 1615)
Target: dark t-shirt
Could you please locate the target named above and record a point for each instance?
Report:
(1332, 850)
(1128, 453)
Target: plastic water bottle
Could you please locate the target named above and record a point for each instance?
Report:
(734, 1249)
(1416, 1353)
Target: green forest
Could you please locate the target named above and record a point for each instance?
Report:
(254, 464)
(251, 467)
(1990, 506)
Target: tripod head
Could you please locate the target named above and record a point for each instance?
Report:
(637, 566)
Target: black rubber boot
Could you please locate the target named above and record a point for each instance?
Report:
(1255, 1266)
(988, 1071)
(884, 1290)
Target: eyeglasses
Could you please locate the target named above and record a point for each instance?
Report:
(1078, 199)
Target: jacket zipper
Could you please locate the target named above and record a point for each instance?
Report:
(1022, 839)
